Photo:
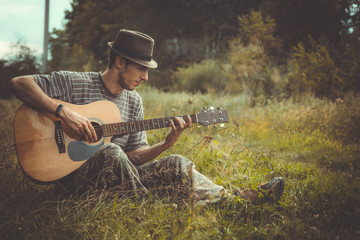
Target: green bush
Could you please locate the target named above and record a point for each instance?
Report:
(203, 77)
(252, 56)
(313, 70)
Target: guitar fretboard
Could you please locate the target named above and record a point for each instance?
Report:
(143, 125)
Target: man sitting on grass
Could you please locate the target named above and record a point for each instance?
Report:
(127, 164)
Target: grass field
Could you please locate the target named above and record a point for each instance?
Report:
(312, 143)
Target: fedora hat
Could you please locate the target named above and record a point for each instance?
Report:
(135, 46)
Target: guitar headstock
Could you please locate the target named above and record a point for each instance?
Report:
(211, 116)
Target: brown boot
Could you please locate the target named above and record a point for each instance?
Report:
(270, 191)
(248, 194)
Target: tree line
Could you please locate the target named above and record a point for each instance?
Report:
(262, 47)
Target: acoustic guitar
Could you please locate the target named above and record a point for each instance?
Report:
(47, 150)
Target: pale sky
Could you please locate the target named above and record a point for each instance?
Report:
(24, 19)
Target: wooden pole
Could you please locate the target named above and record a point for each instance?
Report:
(46, 38)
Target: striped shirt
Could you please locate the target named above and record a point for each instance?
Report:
(86, 87)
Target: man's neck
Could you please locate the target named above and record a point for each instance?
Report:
(110, 80)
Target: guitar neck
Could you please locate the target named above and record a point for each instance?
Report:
(143, 125)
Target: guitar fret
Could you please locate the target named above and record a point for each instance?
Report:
(107, 129)
(162, 122)
(143, 125)
(151, 124)
(103, 130)
(137, 126)
(118, 128)
(167, 122)
(114, 128)
(122, 128)
(134, 126)
(194, 118)
(126, 127)
(130, 127)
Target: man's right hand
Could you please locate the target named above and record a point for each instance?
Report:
(78, 124)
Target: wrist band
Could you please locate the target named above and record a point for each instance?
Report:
(57, 112)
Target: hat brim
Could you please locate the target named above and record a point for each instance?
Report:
(149, 64)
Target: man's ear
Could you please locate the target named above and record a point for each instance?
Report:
(119, 62)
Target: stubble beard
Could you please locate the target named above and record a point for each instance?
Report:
(121, 81)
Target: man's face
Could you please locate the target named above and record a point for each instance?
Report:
(132, 76)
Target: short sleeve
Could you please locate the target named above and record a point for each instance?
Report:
(56, 85)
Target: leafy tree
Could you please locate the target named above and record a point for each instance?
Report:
(313, 70)
(347, 57)
(22, 62)
(251, 56)
(198, 28)
(67, 57)
(299, 18)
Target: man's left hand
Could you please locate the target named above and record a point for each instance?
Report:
(176, 131)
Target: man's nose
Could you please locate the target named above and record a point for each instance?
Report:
(145, 76)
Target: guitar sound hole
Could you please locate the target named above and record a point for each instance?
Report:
(98, 130)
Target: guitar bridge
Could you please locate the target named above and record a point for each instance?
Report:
(59, 137)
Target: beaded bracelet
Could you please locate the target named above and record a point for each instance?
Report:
(57, 112)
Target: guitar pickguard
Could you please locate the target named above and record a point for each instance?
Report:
(79, 150)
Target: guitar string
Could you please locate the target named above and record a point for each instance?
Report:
(99, 129)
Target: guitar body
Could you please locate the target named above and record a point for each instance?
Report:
(37, 137)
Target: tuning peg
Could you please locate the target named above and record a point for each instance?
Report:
(219, 108)
(211, 108)
(215, 126)
(222, 125)
(204, 107)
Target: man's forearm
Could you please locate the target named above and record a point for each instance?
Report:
(27, 90)
(146, 154)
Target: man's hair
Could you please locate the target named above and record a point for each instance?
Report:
(112, 58)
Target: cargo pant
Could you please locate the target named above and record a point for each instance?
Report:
(110, 169)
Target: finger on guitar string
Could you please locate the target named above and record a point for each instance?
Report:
(94, 134)
(188, 121)
(81, 136)
(180, 122)
(89, 131)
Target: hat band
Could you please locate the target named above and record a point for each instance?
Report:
(133, 54)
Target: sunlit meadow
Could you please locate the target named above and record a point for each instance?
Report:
(312, 143)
